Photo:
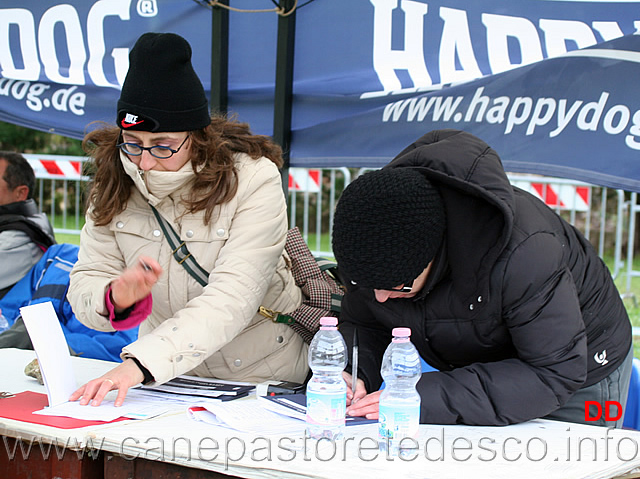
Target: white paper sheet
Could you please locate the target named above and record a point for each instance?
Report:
(52, 351)
(247, 416)
(139, 404)
(107, 411)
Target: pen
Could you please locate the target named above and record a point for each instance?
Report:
(145, 266)
(354, 362)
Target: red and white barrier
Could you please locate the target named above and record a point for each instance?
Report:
(558, 196)
(70, 168)
(56, 166)
(563, 196)
(301, 179)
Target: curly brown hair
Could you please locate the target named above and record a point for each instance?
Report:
(212, 150)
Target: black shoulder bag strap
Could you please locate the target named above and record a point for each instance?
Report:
(181, 252)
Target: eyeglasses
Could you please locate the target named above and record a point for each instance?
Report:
(401, 289)
(157, 151)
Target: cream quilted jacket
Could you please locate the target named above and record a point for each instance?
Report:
(213, 331)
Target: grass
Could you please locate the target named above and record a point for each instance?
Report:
(67, 238)
(631, 300)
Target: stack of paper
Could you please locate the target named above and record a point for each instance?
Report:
(295, 405)
(246, 416)
(203, 387)
(267, 414)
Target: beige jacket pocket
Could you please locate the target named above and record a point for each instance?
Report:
(256, 354)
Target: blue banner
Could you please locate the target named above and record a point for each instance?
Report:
(576, 116)
(549, 84)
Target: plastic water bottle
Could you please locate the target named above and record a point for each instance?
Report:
(327, 390)
(399, 413)
(4, 324)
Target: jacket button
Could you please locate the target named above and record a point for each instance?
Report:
(157, 233)
(479, 299)
(175, 328)
(279, 339)
(190, 345)
(237, 362)
(220, 232)
(119, 224)
(189, 234)
(178, 358)
(196, 354)
(471, 307)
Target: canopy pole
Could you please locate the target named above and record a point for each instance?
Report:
(284, 86)
(219, 97)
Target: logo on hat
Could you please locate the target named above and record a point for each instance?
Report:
(130, 120)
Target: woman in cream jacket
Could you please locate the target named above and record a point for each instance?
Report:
(220, 188)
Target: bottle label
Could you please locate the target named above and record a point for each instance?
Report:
(327, 409)
(396, 422)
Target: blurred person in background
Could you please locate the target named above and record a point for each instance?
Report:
(25, 232)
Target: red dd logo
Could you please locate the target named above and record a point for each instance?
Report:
(607, 410)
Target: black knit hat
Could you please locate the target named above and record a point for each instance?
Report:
(388, 226)
(161, 91)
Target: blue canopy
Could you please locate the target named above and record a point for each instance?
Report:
(549, 84)
(575, 116)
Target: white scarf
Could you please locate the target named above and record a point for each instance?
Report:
(156, 185)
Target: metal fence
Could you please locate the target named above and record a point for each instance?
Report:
(606, 217)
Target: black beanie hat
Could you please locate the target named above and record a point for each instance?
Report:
(388, 226)
(161, 91)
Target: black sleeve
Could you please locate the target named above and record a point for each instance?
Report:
(541, 309)
(148, 377)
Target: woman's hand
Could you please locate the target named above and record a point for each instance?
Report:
(135, 283)
(360, 391)
(367, 406)
(122, 377)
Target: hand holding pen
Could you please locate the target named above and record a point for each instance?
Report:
(135, 283)
(354, 364)
(355, 387)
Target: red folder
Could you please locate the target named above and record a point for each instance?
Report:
(21, 407)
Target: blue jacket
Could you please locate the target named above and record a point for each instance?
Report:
(48, 280)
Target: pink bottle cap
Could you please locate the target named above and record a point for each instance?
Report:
(403, 332)
(401, 335)
(328, 322)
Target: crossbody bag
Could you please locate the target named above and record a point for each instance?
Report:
(316, 277)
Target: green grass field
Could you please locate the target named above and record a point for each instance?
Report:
(631, 301)
(67, 238)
